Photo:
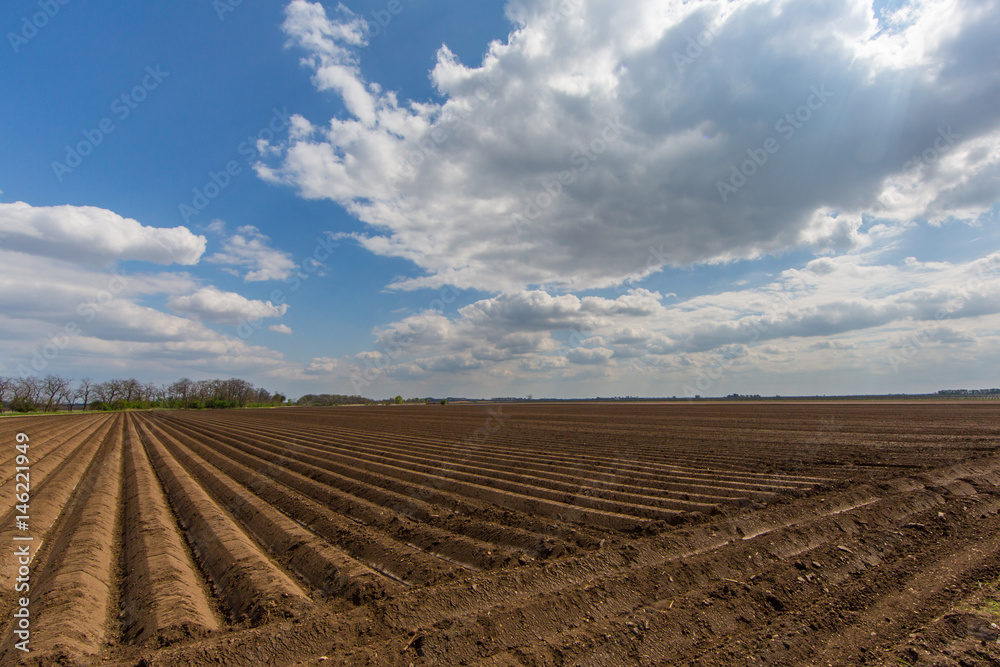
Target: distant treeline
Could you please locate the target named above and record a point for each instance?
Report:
(323, 400)
(31, 394)
(968, 392)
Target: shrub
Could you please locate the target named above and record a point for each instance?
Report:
(23, 405)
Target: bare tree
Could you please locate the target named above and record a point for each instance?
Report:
(236, 390)
(108, 392)
(53, 386)
(6, 385)
(27, 393)
(66, 395)
(181, 389)
(152, 392)
(83, 391)
(116, 389)
(205, 389)
(131, 389)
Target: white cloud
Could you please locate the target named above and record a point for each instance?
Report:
(60, 317)
(216, 227)
(642, 127)
(450, 363)
(328, 42)
(847, 310)
(280, 328)
(213, 305)
(530, 310)
(249, 249)
(587, 355)
(87, 234)
(327, 365)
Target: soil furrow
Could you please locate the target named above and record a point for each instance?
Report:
(49, 496)
(75, 594)
(457, 515)
(252, 587)
(163, 600)
(396, 480)
(350, 530)
(324, 567)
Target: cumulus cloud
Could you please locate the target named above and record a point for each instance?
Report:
(280, 328)
(590, 355)
(248, 249)
(450, 363)
(87, 234)
(213, 305)
(330, 56)
(62, 307)
(529, 310)
(807, 317)
(73, 319)
(596, 132)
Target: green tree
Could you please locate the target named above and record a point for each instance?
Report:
(398, 400)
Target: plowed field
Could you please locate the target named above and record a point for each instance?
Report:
(805, 533)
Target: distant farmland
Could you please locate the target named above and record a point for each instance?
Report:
(513, 534)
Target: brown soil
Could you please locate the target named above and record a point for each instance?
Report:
(163, 598)
(807, 533)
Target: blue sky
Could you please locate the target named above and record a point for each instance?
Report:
(555, 197)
